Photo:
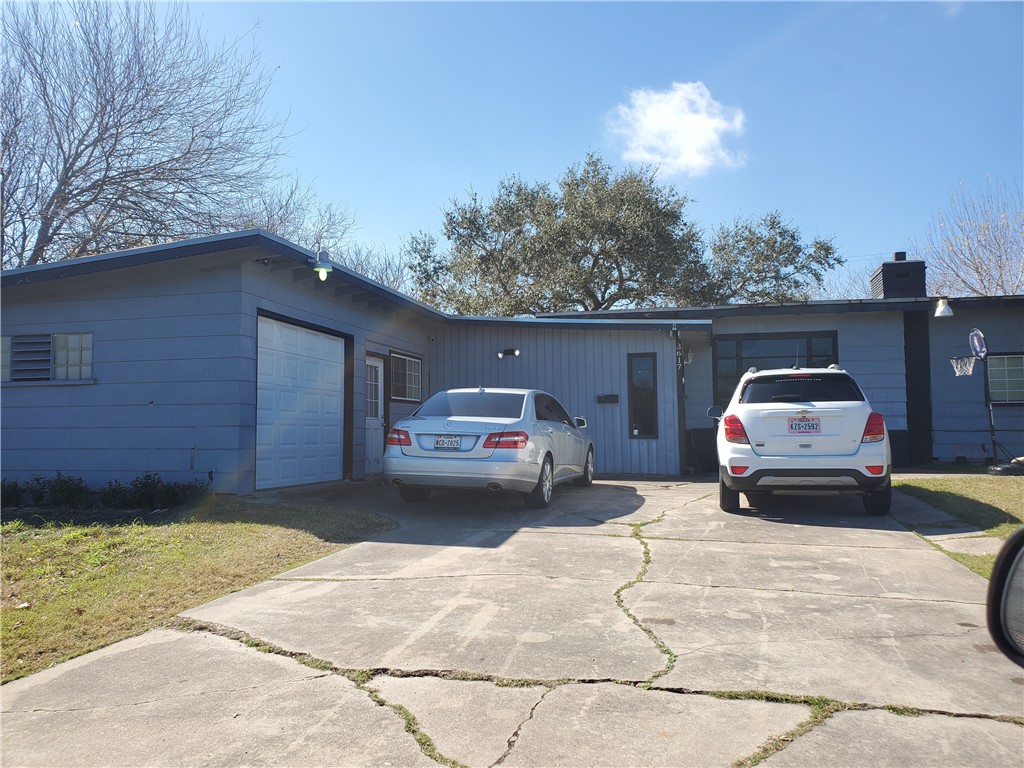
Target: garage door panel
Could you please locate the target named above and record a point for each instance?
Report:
(299, 405)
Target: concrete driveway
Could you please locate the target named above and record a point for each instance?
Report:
(632, 623)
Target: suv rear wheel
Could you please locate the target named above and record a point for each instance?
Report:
(728, 499)
(878, 502)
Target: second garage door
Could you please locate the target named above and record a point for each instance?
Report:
(298, 405)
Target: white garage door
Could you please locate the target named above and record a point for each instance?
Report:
(298, 405)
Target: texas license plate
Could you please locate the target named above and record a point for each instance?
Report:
(447, 442)
(805, 426)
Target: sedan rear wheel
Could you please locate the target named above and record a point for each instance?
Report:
(588, 471)
(540, 496)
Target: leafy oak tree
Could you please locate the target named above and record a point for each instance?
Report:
(598, 239)
(767, 260)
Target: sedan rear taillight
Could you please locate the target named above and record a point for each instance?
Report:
(734, 431)
(507, 440)
(399, 437)
(874, 430)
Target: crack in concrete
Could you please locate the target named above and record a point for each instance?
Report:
(822, 707)
(515, 735)
(670, 656)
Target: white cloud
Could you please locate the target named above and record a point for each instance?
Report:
(679, 130)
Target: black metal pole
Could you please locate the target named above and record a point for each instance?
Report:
(988, 402)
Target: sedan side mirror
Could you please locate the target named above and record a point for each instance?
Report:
(715, 412)
(581, 423)
(1006, 599)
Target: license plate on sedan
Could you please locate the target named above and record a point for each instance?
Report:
(447, 442)
(805, 426)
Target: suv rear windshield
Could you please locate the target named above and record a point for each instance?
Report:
(495, 405)
(801, 388)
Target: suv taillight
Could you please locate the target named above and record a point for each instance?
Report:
(734, 431)
(874, 430)
(507, 440)
(399, 437)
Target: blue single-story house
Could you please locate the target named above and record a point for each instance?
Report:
(227, 358)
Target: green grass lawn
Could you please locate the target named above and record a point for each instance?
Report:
(992, 504)
(76, 582)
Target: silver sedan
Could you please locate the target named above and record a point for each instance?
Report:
(501, 439)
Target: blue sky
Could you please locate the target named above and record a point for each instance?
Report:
(856, 120)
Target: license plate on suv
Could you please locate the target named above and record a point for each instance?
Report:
(447, 442)
(805, 426)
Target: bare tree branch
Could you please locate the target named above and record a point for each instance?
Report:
(121, 127)
(976, 246)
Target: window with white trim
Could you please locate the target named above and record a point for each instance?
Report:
(406, 377)
(1006, 378)
(46, 357)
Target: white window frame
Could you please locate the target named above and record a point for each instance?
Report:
(413, 380)
(1005, 379)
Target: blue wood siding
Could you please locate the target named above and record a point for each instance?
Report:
(960, 414)
(575, 366)
(174, 387)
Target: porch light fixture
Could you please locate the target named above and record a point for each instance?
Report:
(508, 353)
(322, 265)
(942, 308)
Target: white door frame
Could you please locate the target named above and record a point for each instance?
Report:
(375, 414)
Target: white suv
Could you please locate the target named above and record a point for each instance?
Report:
(802, 430)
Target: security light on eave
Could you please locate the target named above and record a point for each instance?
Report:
(322, 265)
(942, 309)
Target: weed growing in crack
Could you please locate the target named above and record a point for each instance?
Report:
(523, 683)
(821, 710)
(359, 676)
(412, 727)
(259, 645)
(669, 654)
(314, 663)
(896, 709)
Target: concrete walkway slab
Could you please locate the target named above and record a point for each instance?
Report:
(509, 626)
(884, 740)
(788, 520)
(428, 552)
(842, 570)
(452, 711)
(614, 725)
(172, 699)
(918, 653)
(968, 544)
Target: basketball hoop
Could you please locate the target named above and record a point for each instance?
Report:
(963, 366)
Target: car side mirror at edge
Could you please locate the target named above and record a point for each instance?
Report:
(581, 422)
(1006, 599)
(715, 412)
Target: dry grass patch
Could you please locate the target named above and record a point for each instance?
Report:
(991, 503)
(72, 586)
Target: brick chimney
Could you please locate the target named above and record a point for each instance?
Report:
(899, 279)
